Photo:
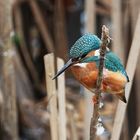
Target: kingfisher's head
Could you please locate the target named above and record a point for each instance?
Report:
(80, 49)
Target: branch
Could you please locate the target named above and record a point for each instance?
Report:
(94, 120)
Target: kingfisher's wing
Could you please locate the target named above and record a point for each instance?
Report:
(113, 63)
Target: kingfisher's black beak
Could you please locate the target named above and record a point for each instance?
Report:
(67, 65)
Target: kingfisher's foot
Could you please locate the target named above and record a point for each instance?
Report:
(95, 99)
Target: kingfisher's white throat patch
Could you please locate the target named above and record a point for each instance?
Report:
(83, 65)
(97, 52)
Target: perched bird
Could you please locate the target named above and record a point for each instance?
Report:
(84, 64)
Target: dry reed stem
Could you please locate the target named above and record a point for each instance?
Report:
(94, 120)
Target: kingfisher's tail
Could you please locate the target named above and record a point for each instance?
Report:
(121, 96)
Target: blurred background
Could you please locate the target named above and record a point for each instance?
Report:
(30, 29)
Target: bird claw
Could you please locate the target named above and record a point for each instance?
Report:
(95, 99)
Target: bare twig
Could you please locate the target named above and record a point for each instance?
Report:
(94, 120)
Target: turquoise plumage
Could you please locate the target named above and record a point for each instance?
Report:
(113, 63)
(86, 50)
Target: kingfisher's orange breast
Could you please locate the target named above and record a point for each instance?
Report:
(87, 73)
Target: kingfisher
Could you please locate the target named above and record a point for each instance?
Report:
(84, 64)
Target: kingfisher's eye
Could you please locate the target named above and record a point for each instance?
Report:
(75, 59)
(78, 58)
(83, 56)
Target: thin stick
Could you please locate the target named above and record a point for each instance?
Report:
(61, 102)
(51, 90)
(94, 119)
